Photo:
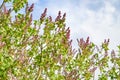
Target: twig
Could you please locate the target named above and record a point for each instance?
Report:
(39, 74)
(2, 5)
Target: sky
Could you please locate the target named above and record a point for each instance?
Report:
(98, 19)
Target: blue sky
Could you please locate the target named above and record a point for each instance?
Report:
(99, 19)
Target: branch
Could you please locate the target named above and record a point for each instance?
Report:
(38, 75)
(2, 5)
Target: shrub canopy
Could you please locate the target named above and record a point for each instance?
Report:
(42, 49)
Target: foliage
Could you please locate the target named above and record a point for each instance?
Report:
(42, 50)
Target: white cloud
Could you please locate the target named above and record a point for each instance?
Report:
(33, 1)
(102, 24)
